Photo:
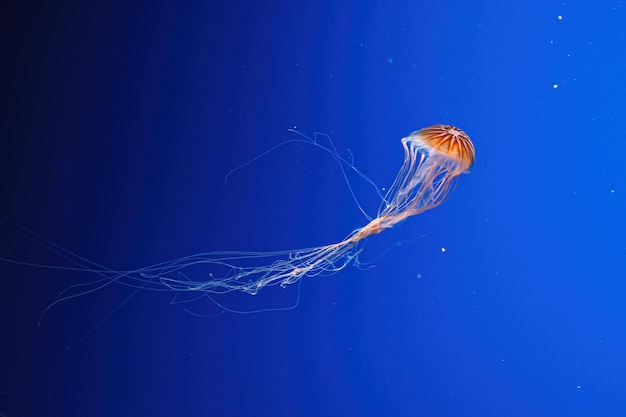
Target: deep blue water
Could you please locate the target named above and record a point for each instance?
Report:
(121, 121)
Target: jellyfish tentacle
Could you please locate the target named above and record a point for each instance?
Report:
(434, 158)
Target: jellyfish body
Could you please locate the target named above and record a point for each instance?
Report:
(434, 158)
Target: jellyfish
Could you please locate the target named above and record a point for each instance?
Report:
(434, 158)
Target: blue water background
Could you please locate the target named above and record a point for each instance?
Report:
(121, 121)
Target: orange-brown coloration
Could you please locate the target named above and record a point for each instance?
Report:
(448, 140)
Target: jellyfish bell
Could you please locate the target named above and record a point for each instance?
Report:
(434, 157)
(447, 141)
